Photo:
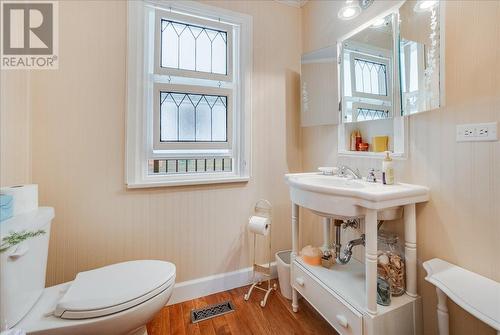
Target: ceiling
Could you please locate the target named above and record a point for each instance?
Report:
(294, 3)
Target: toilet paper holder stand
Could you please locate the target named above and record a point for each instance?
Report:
(262, 208)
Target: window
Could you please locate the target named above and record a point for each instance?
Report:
(367, 112)
(192, 46)
(192, 118)
(189, 95)
(367, 90)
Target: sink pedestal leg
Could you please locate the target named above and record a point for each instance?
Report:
(442, 313)
(409, 218)
(371, 260)
(295, 251)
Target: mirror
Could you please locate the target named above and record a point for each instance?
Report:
(420, 56)
(317, 82)
(366, 67)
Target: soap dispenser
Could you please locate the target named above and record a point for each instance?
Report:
(387, 169)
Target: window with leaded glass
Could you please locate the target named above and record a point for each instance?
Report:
(189, 94)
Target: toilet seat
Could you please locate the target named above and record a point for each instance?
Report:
(114, 288)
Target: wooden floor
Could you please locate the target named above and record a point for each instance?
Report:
(249, 318)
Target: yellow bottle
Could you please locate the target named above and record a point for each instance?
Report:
(387, 169)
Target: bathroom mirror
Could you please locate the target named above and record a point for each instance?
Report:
(367, 67)
(317, 82)
(420, 56)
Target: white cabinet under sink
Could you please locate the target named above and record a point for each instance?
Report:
(345, 295)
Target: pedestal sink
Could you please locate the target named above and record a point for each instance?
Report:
(346, 294)
(327, 195)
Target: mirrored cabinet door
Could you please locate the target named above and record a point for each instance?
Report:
(318, 85)
(421, 58)
(366, 70)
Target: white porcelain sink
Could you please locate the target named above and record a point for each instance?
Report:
(331, 181)
(335, 196)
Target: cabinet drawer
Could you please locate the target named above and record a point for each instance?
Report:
(341, 317)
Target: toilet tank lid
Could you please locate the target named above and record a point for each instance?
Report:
(114, 285)
(29, 221)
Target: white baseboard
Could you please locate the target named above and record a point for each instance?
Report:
(201, 287)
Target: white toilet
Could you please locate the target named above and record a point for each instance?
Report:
(115, 299)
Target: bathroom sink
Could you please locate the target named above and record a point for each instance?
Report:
(331, 181)
(330, 195)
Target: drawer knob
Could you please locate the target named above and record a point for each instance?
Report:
(299, 281)
(342, 320)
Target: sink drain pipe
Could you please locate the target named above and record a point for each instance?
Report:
(345, 256)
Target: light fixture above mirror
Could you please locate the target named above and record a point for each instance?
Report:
(353, 8)
(349, 11)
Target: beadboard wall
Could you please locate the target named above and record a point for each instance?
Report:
(68, 137)
(15, 128)
(461, 223)
(78, 115)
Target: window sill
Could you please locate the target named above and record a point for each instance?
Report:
(163, 181)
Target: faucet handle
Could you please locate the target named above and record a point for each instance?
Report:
(372, 178)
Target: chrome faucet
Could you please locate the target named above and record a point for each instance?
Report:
(354, 172)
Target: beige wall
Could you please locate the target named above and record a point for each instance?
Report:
(75, 149)
(461, 223)
(15, 147)
(78, 152)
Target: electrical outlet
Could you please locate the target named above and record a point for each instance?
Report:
(477, 132)
(482, 131)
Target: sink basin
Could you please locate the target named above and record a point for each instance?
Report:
(331, 181)
(335, 196)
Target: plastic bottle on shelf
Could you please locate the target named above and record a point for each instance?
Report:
(388, 169)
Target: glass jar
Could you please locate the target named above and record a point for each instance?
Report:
(391, 262)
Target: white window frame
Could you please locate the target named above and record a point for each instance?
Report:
(370, 53)
(356, 105)
(159, 145)
(388, 76)
(190, 20)
(141, 82)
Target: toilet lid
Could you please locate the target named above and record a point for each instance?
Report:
(114, 288)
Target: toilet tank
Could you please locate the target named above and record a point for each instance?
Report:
(23, 267)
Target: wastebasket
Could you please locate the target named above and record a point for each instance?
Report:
(283, 267)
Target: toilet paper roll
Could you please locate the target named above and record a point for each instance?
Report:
(259, 225)
(25, 197)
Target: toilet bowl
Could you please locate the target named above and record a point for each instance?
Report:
(111, 300)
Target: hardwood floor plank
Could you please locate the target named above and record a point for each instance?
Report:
(219, 323)
(260, 325)
(206, 327)
(191, 328)
(177, 320)
(236, 321)
(249, 318)
(160, 323)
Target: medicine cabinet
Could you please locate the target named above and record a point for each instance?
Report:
(318, 83)
(384, 70)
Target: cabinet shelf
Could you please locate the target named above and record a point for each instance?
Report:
(348, 282)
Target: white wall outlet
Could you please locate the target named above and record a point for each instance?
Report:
(477, 132)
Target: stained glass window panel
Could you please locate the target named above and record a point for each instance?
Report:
(370, 77)
(194, 48)
(186, 117)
